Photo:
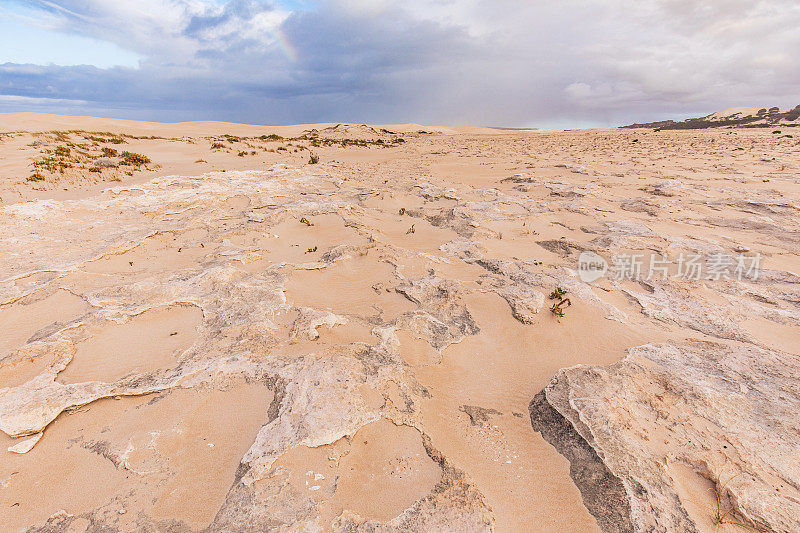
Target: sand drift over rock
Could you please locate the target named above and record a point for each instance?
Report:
(403, 338)
(205, 244)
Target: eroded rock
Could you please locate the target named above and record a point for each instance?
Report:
(709, 405)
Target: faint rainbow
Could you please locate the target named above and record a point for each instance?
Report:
(284, 45)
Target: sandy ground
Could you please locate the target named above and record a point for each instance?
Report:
(219, 334)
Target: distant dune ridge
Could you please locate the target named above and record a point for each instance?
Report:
(748, 117)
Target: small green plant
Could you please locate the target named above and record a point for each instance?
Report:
(242, 154)
(305, 221)
(96, 169)
(109, 152)
(217, 146)
(313, 160)
(311, 250)
(558, 308)
(558, 294)
(35, 177)
(402, 211)
(411, 230)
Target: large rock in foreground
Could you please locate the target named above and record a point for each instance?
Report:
(672, 416)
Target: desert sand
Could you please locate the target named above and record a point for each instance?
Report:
(331, 327)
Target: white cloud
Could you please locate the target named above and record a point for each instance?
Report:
(467, 61)
(27, 100)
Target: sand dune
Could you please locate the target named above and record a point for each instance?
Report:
(735, 112)
(338, 327)
(734, 117)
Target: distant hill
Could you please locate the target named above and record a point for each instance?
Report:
(743, 117)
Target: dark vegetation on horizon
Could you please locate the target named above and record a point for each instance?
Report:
(764, 119)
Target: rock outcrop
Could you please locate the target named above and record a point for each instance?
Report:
(727, 411)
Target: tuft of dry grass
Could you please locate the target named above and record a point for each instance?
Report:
(732, 515)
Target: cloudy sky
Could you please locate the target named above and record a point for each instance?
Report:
(563, 63)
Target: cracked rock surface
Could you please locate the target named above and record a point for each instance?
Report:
(367, 344)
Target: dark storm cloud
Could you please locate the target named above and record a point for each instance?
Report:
(507, 62)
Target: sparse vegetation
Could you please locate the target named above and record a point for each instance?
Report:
(558, 294)
(63, 153)
(67, 152)
(558, 308)
(290, 145)
(732, 514)
(113, 139)
(133, 159)
(305, 221)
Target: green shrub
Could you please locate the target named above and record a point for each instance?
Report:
(133, 159)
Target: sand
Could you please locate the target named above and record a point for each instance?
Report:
(233, 338)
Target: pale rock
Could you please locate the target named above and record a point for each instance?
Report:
(26, 445)
(710, 406)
